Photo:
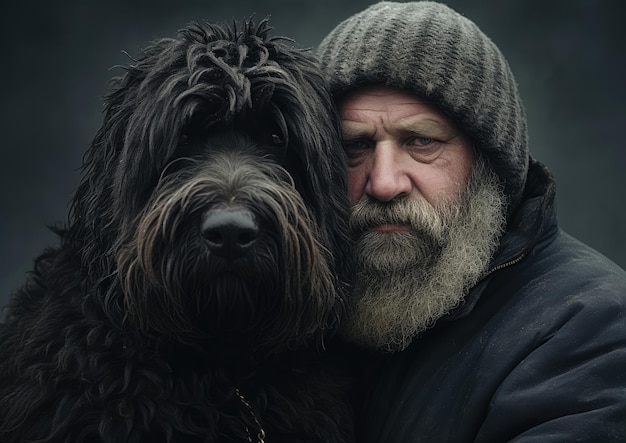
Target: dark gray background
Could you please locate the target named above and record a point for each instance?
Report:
(569, 57)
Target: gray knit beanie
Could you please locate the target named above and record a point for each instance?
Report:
(429, 49)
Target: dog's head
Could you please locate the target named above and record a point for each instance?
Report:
(213, 197)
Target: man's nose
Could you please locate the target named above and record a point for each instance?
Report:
(388, 176)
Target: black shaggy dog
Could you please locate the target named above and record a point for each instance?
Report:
(205, 259)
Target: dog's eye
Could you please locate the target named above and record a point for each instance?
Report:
(191, 134)
(276, 139)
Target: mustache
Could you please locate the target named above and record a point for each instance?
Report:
(416, 213)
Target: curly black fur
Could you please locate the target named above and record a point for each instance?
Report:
(138, 327)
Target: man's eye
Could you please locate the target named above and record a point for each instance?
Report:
(356, 146)
(419, 141)
(356, 150)
(423, 141)
(423, 149)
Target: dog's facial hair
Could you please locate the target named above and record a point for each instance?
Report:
(406, 281)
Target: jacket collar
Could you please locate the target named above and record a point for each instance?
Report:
(534, 218)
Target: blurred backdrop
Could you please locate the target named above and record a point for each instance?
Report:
(569, 57)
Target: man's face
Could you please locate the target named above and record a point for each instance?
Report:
(426, 216)
(400, 146)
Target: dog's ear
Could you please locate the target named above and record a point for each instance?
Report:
(137, 134)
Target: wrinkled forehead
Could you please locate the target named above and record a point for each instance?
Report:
(393, 108)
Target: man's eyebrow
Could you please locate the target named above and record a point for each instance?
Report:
(354, 129)
(421, 123)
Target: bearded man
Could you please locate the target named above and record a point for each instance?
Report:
(480, 319)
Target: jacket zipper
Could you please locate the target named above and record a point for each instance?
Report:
(518, 259)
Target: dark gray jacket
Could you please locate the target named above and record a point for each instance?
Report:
(536, 354)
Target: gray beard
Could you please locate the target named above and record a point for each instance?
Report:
(406, 281)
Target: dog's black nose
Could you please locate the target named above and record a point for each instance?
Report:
(229, 232)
